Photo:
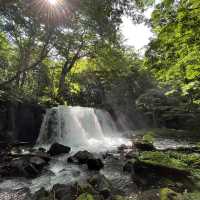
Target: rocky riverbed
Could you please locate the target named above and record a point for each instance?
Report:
(142, 171)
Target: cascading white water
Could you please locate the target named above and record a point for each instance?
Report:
(80, 128)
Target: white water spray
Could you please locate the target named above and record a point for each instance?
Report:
(80, 128)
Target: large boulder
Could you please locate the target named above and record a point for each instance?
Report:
(24, 166)
(21, 167)
(95, 164)
(57, 149)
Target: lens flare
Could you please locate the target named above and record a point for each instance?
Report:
(53, 2)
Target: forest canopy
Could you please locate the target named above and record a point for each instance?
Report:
(72, 52)
(41, 41)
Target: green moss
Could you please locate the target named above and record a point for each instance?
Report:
(162, 159)
(83, 188)
(168, 194)
(118, 197)
(171, 159)
(149, 137)
(191, 196)
(85, 196)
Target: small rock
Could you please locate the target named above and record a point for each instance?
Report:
(144, 146)
(38, 162)
(101, 184)
(57, 149)
(129, 165)
(95, 164)
(81, 157)
(63, 192)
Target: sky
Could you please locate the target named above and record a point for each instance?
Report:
(136, 35)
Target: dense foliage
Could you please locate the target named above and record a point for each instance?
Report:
(41, 42)
(173, 55)
(72, 53)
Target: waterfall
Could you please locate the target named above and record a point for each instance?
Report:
(80, 128)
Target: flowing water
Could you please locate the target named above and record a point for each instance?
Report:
(80, 128)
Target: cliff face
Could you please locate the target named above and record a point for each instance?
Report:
(20, 121)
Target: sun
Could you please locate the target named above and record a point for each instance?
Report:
(53, 2)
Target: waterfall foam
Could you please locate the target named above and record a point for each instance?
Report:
(80, 128)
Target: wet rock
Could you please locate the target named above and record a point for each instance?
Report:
(101, 184)
(38, 162)
(168, 194)
(41, 149)
(144, 146)
(24, 166)
(63, 192)
(42, 194)
(81, 157)
(131, 154)
(43, 155)
(118, 197)
(129, 166)
(95, 164)
(85, 196)
(149, 195)
(83, 187)
(123, 147)
(57, 149)
(105, 192)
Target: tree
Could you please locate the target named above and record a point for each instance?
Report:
(173, 55)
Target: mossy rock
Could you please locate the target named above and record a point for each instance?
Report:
(192, 196)
(118, 197)
(81, 188)
(42, 194)
(144, 146)
(129, 165)
(169, 159)
(168, 194)
(85, 196)
(149, 137)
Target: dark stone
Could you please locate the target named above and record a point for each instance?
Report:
(123, 147)
(20, 167)
(43, 155)
(57, 149)
(131, 154)
(149, 195)
(81, 157)
(101, 184)
(83, 187)
(38, 162)
(144, 146)
(106, 193)
(42, 149)
(95, 164)
(129, 166)
(41, 194)
(63, 192)
(24, 166)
